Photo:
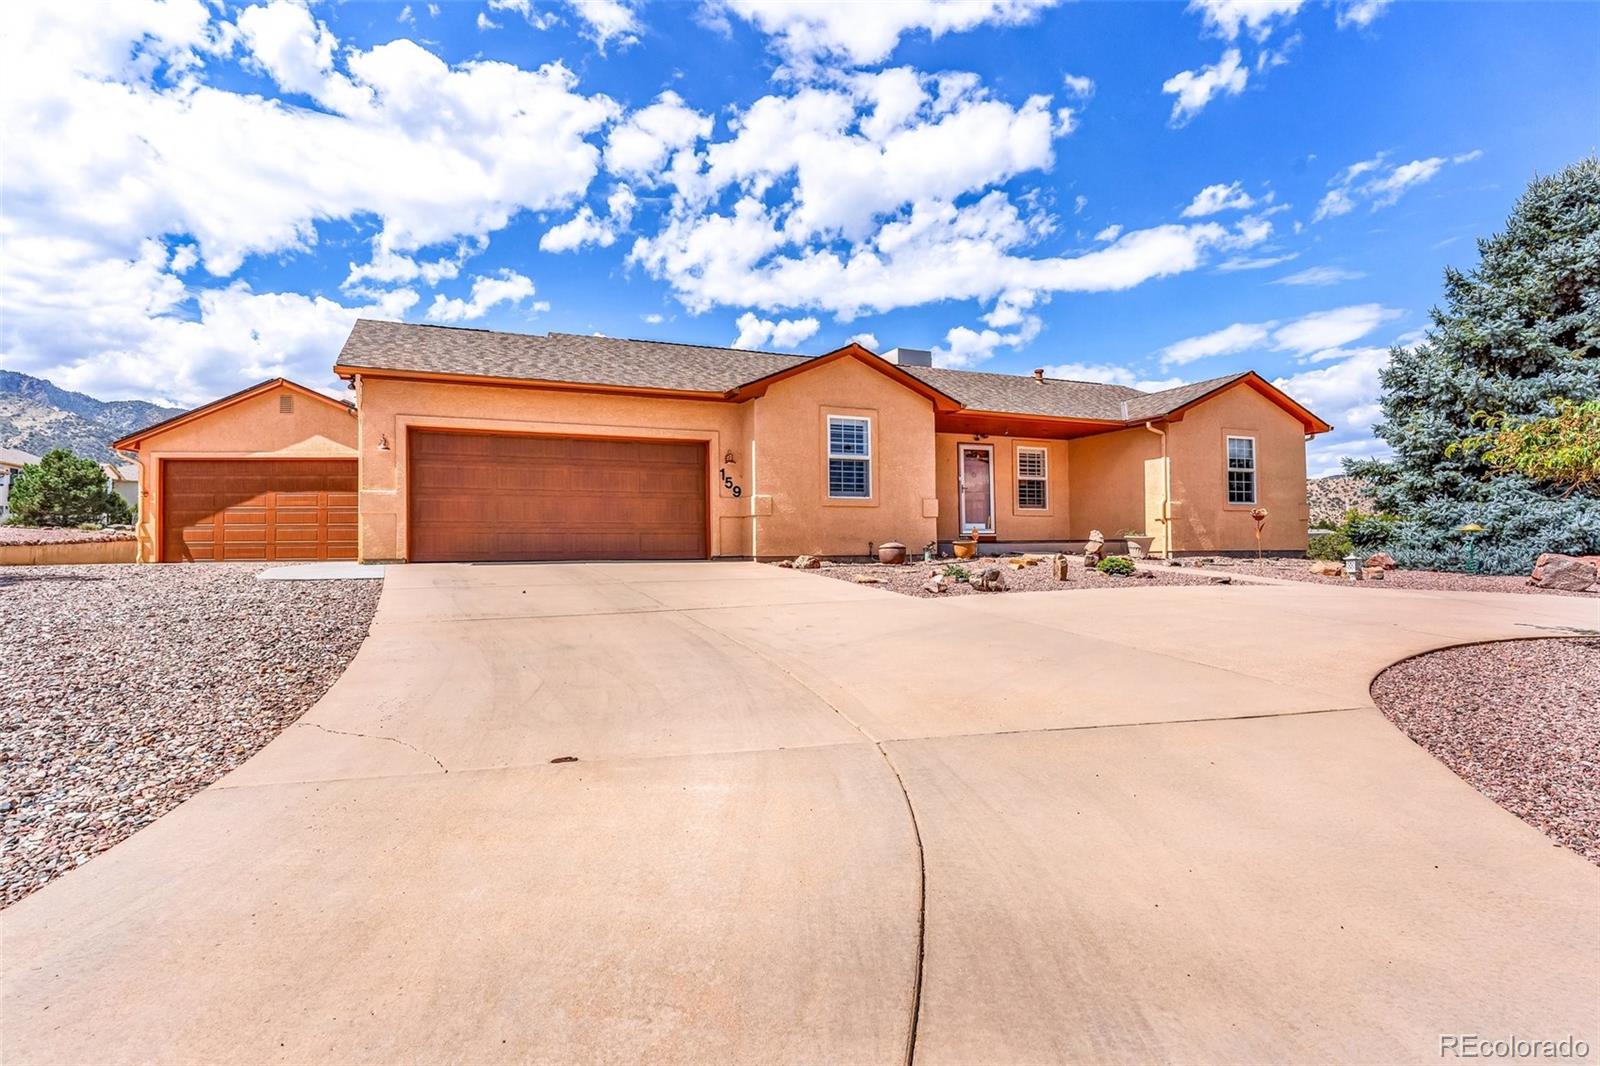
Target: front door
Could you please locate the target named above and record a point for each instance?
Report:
(977, 488)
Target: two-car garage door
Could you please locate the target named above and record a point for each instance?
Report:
(481, 496)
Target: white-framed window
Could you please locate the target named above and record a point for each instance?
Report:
(1032, 476)
(849, 457)
(1242, 470)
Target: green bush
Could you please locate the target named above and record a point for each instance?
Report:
(63, 489)
(1330, 546)
(956, 572)
(1367, 532)
(1117, 566)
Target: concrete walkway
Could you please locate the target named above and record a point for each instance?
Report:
(731, 813)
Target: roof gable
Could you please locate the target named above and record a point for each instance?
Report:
(758, 387)
(131, 441)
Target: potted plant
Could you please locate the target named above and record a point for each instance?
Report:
(1138, 543)
(966, 549)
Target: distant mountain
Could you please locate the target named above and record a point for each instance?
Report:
(35, 416)
(1331, 497)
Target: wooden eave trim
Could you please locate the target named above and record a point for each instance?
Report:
(346, 371)
(131, 441)
(1116, 423)
(941, 401)
(1313, 424)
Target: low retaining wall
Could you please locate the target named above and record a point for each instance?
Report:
(93, 551)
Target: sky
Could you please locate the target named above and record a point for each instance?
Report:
(196, 196)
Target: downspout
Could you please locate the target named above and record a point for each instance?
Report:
(1166, 493)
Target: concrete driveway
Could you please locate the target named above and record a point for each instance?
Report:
(727, 812)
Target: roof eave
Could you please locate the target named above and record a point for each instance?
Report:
(131, 441)
(941, 400)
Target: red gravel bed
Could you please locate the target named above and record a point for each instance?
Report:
(50, 535)
(1518, 721)
(909, 578)
(125, 689)
(1436, 580)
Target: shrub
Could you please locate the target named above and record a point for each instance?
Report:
(1117, 566)
(63, 489)
(956, 572)
(1330, 546)
(1368, 532)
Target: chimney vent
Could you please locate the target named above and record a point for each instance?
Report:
(909, 356)
(1038, 374)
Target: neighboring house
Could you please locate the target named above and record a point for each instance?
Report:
(466, 444)
(123, 479)
(11, 461)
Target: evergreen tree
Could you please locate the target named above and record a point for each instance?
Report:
(64, 490)
(1518, 335)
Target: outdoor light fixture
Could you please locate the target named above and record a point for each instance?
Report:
(729, 459)
(383, 442)
(1471, 531)
(1352, 563)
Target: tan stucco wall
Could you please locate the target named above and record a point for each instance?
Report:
(1202, 520)
(1012, 523)
(790, 425)
(253, 428)
(1117, 485)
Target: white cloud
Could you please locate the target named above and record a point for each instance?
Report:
(1258, 18)
(783, 334)
(1078, 85)
(1215, 198)
(1331, 329)
(1110, 233)
(607, 21)
(488, 292)
(1109, 374)
(586, 228)
(1079, 202)
(1194, 89)
(539, 20)
(641, 143)
(653, 318)
(868, 341)
(806, 32)
(1376, 182)
(1009, 325)
(1239, 337)
(1346, 393)
(1360, 13)
(1260, 262)
(486, 23)
(1320, 275)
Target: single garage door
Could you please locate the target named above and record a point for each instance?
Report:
(479, 496)
(215, 510)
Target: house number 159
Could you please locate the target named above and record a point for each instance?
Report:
(727, 483)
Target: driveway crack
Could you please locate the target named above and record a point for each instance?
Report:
(375, 736)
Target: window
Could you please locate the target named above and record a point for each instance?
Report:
(1242, 470)
(849, 457)
(1031, 478)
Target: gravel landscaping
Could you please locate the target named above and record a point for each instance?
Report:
(909, 578)
(1518, 721)
(52, 535)
(125, 689)
(1437, 580)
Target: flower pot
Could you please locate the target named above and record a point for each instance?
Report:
(892, 553)
(1139, 547)
(966, 549)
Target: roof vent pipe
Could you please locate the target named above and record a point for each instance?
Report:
(1038, 374)
(909, 356)
(1124, 410)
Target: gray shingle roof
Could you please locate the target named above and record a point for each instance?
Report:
(586, 360)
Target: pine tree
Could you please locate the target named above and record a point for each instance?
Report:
(63, 489)
(1517, 335)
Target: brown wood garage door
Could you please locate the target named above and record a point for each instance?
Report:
(478, 496)
(215, 510)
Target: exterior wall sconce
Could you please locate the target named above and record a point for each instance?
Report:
(729, 460)
(383, 442)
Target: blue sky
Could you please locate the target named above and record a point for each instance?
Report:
(199, 196)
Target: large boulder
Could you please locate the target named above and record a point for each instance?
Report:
(1382, 559)
(807, 562)
(1567, 573)
(1058, 567)
(1327, 568)
(990, 580)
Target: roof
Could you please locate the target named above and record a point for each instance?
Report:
(131, 441)
(573, 360)
(121, 471)
(16, 457)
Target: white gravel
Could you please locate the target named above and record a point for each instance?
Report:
(125, 689)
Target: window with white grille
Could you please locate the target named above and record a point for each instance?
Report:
(1242, 470)
(849, 457)
(1032, 478)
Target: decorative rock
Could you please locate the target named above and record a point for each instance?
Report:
(1568, 573)
(1382, 560)
(807, 562)
(1223, 580)
(1144, 574)
(1058, 567)
(989, 580)
(786, 563)
(936, 583)
(1372, 573)
(1134, 551)
(867, 579)
(1327, 568)
(1094, 550)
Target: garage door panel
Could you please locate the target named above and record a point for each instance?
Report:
(259, 510)
(484, 496)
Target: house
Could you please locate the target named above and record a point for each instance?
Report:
(123, 479)
(11, 461)
(466, 444)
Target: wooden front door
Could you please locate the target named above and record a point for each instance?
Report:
(482, 496)
(975, 468)
(220, 510)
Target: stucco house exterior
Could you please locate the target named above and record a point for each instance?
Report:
(11, 461)
(465, 444)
